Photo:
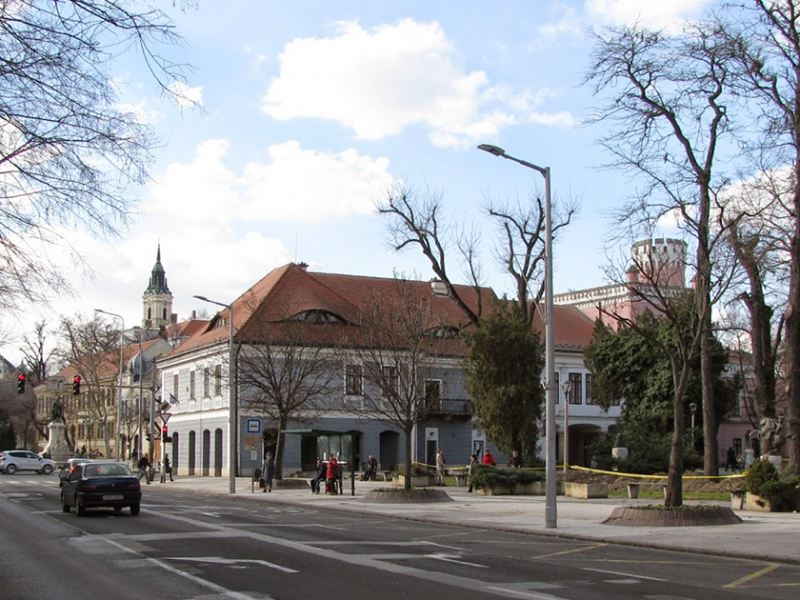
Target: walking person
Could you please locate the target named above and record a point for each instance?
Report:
(441, 467)
(168, 468)
(473, 463)
(144, 468)
(268, 472)
(488, 459)
(731, 462)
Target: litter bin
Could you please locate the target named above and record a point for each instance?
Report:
(255, 480)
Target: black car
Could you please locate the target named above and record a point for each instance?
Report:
(69, 467)
(97, 484)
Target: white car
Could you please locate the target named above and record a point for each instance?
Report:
(12, 461)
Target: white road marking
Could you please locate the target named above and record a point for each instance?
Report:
(219, 560)
(624, 574)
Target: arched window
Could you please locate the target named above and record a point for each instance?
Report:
(317, 316)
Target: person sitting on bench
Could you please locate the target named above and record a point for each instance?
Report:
(322, 469)
(372, 467)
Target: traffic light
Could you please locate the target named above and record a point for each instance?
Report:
(164, 431)
(76, 385)
(21, 383)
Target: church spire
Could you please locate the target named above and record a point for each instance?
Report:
(157, 305)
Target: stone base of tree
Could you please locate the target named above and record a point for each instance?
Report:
(684, 516)
(586, 490)
(414, 496)
(757, 503)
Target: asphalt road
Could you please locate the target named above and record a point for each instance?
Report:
(190, 547)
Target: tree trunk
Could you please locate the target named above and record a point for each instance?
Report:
(408, 433)
(792, 421)
(279, 448)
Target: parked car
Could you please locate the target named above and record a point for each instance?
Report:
(69, 467)
(12, 461)
(96, 484)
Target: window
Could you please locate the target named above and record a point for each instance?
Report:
(317, 316)
(558, 388)
(206, 382)
(389, 383)
(353, 381)
(191, 385)
(175, 380)
(738, 447)
(576, 393)
(217, 380)
(433, 393)
(589, 398)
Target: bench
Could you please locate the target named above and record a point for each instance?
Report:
(461, 477)
(633, 487)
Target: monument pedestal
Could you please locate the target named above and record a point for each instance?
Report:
(57, 448)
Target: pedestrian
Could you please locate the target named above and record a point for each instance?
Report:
(441, 467)
(473, 463)
(168, 467)
(322, 469)
(268, 472)
(144, 468)
(372, 467)
(730, 462)
(331, 475)
(488, 459)
(515, 460)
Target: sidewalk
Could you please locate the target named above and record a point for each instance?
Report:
(773, 537)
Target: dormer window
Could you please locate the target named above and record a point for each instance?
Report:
(317, 316)
(444, 332)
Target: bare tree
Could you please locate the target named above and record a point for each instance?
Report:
(92, 349)
(285, 370)
(670, 101)
(399, 345)
(415, 219)
(69, 150)
(767, 47)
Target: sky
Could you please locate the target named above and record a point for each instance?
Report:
(311, 109)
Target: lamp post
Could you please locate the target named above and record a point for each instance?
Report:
(693, 409)
(550, 511)
(118, 443)
(567, 387)
(232, 412)
(140, 445)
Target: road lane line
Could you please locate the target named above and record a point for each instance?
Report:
(619, 573)
(219, 560)
(746, 578)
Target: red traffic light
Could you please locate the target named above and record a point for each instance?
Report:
(21, 383)
(76, 385)
(165, 430)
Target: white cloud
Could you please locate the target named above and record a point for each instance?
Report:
(381, 81)
(650, 14)
(185, 96)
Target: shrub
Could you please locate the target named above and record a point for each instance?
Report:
(760, 473)
(486, 476)
(780, 491)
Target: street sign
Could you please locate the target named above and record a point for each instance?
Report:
(55, 384)
(165, 417)
(253, 425)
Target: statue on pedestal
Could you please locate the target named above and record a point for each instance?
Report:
(57, 448)
(57, 411)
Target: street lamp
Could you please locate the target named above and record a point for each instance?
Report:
(140, 445)
(567, 387)
(550, 511)
(232, 412)
(119, 379)
(693, 409)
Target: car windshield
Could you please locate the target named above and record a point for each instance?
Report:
(101, 470)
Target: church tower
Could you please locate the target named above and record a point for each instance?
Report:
(157, 299)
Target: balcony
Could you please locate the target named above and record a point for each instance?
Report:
(450, 407)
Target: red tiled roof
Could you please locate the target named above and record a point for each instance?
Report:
(108, 362)
(290, 290)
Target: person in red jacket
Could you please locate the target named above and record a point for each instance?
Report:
(331, 475)
(488, 459)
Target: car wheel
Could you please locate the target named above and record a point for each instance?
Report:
(47, 469)
(11, 469)
(135, 509)
(64, 505)
(80, 509)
